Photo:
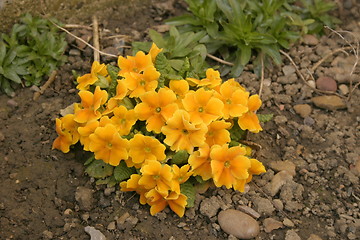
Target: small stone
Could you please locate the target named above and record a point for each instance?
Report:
(35, 88)
(86, 38)
(264, 206)
(288, 69)
(47, 234)
(344, 89)
(278, 204)
(12, 103)
(280, 120)
(326, 84)
(309, 121)
(312, 83)
(74, 52)
(279, 166)
(249, 210)
(329, 102)
(94, 233)
(311, 40)
(111, 226)
(303, 110)
(271, 224)
(210, 206)
(108, 191)
(132, 220)
(84, 196)
(287, 222)
(122, 219)
(292, 235)
(85, 217)
(314, 237)
(239, 224)
(278, 181)
(68, 211)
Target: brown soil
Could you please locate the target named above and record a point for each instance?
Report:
(37, 197)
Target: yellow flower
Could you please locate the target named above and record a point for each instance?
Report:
(135, 64)
(154, 51)
(90, 103)
(156, 108)
(123, 119)
(235, 100)
(64, 139)
(146, 148)
(249, 120)
(107, 145)
(256, 168)
(158, 202)
(140, 83)
(132, 184)
(181, 134)
(200, 162)
(181, 175)
(217, 133)
(154, 174)
(88, 79)
(86, 131)
(202, 106)
(228, 165)
(180, 88)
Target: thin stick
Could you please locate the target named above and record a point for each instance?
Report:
(96, 38)
(77, 26)
(45, 86)
(86, 43)
(126, 37)
(303, 78)
(262, 76)
(219, 60)
(329, 55)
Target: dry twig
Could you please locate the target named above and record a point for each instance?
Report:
(262, 75)
(96, 38)
(219, 60)
(77, 26)
(45, 86)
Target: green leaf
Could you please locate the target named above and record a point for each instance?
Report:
(122, 172)
(183, 20)
(157, 38)
(10, 74)
(99, 169)
(265, 117)
(188, 190)
(180, 157)
(89, 160)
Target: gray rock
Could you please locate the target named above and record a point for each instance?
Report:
(84, 196)
(279, 166)
(331, 102)
(249, 210)
(288, 223)
(263, 206)
(278, 181)
(111, 226)
(288, 69)
(94, 233)
(74, 52)
(278, 204)
(271, 224)
(292, 235)
(210, 206)
(344, 89)
(238, 224)
(303, 110)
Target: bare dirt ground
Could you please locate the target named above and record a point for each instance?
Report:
(318, 197)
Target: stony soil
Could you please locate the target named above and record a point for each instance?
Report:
(310, 148)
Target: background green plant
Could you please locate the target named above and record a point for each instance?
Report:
(238, 30)
(32, 50)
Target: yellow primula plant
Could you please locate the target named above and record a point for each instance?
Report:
(159, 133)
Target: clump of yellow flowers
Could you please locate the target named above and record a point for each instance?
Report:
(147, 128)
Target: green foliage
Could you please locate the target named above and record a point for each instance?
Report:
(182, 56)
(99, 169)
(265, 117)
(32, 50)
(123, 172)
(180, 157)
(187, 188)
(240, 29)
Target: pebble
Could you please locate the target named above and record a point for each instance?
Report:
(108, 191)
(309, 121)
(278, 204)
(329, 102)
(280, 120)
(286, 165)
(326, 84)
(249, 210)
(84, 196)
(303, 110)
(263, 206)
(271, 224)
(12, 103)
(312, 83)
(288, 69)
(314, 237)
(311, 40)
(210, 206)
(238, 224)
(94, 233)
(132, 220)
(288, 223)
(344, 89)
(74, 52)
(68, 211)
(47, 234)
(278, 181)
(122, 219)
(292, 235)
(111, 226)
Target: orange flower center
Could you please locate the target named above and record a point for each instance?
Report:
(200, 109)
(156, 177)
(210, 133)
(227, 164)
(228, 101)
(142, 83)
(158, 109)
(185, 131)
(109, 145)
(147, 149)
